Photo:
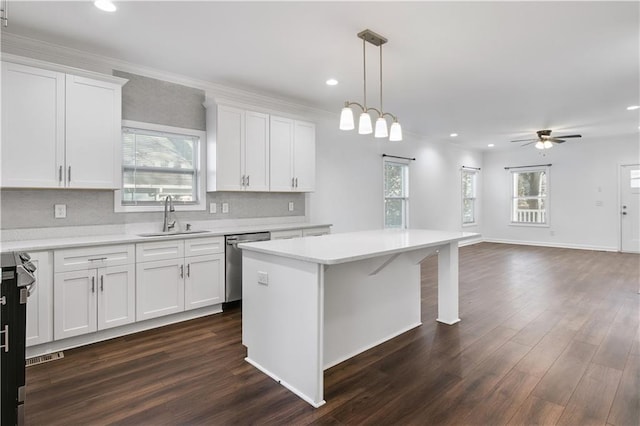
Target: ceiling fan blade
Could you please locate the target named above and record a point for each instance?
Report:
(556, 140)
(568, 136)
(529, 143)
(525, 140)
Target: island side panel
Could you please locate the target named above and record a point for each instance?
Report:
(368, 302)
(282, 324)
(448, 284)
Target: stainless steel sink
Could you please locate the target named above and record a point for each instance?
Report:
(166, 234)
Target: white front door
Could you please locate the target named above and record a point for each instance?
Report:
(630, 208)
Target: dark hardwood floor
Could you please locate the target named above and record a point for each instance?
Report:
(548, 336)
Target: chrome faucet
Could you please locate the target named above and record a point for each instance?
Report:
(168, 207)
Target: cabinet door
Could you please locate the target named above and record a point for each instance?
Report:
(93, 132)
(74, 311)
(304, 156)
(204, 281)
(40, 301)
(229, 138)
(281, 154)
(256, 151)
(116, 296)
(32, 127)
(159, 288)
(286, 235)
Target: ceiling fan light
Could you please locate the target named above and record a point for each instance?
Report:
(364, 124)
(346, 119)
(540, 145)
(105, 5)
(395, 132)
(547, 145)
(381, 128)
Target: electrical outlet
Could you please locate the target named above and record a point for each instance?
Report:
(290, 206)
(263, 278)
(60, 211)
(225, 207)
(212, 208)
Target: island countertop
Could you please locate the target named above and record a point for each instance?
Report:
(339, 248)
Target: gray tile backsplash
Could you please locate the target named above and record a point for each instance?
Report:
(33, 208)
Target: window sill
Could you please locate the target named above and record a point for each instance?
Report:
(530, 225)
(467, 225)
(118, 208)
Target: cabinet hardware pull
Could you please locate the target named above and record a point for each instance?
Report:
(60, 174)
(93, 284)
(96, 259)
(102, 283)
(188, 270)
(293, 182)
(181, 271)
(6, 338)
(69, 174)
(242, 183)
(248, 177)
(296, 182)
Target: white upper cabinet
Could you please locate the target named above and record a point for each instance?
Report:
(32, 127)
(293, 155)
(94, 120)
(59, 130)
(241, 151)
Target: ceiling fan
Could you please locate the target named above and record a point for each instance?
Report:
(545, 140)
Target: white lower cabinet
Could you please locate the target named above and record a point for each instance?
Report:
(170, 281)
(296, 233)
(93, 297)
(40, 301)
(159, 288)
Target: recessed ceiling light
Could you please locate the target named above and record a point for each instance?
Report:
(491, 145)
(453, 135)
(332, 82)
(106, 5)
(633, 107)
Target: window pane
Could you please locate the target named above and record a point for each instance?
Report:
(468, 215)
(155, 186)
(468, 185)
(153, 149)
(393, 213)
(530, 184)
(531, 210)
(394, 185)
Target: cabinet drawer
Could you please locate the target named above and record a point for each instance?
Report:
(159, 250)
(92, 257)
(285, 235)
(203, 246)
(313, 232)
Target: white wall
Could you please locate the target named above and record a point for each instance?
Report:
(349, 180)
(584, 171)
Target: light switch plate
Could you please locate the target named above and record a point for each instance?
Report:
(59, 211)
(290, 206)
(212, 208)
(263, 278)
(225, 207)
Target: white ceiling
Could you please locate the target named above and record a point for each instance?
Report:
(489, 71)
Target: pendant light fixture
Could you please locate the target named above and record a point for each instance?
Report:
(364, 123)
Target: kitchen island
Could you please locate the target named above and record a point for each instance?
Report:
(311, 303)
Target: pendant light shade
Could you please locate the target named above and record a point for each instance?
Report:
(346, 119)
(548, 145)
(381, 128)
(395, 133)
(364, 124)
(540, 145)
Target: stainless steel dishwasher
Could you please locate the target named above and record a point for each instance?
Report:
(233, 257)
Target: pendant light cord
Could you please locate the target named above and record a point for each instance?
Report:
(381, 108)
(364, 65)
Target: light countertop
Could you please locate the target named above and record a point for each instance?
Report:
(351, 246)
(93, 240)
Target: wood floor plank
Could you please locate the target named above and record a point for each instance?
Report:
(547, 335)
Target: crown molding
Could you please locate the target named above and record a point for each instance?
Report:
(13, 44)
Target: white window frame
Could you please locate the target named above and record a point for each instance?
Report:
(200, 170)
(405, 199)
(547, 222)
(475, 175)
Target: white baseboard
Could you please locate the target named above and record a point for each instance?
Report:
(550, 244)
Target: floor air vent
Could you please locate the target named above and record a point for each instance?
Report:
(44, 358)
